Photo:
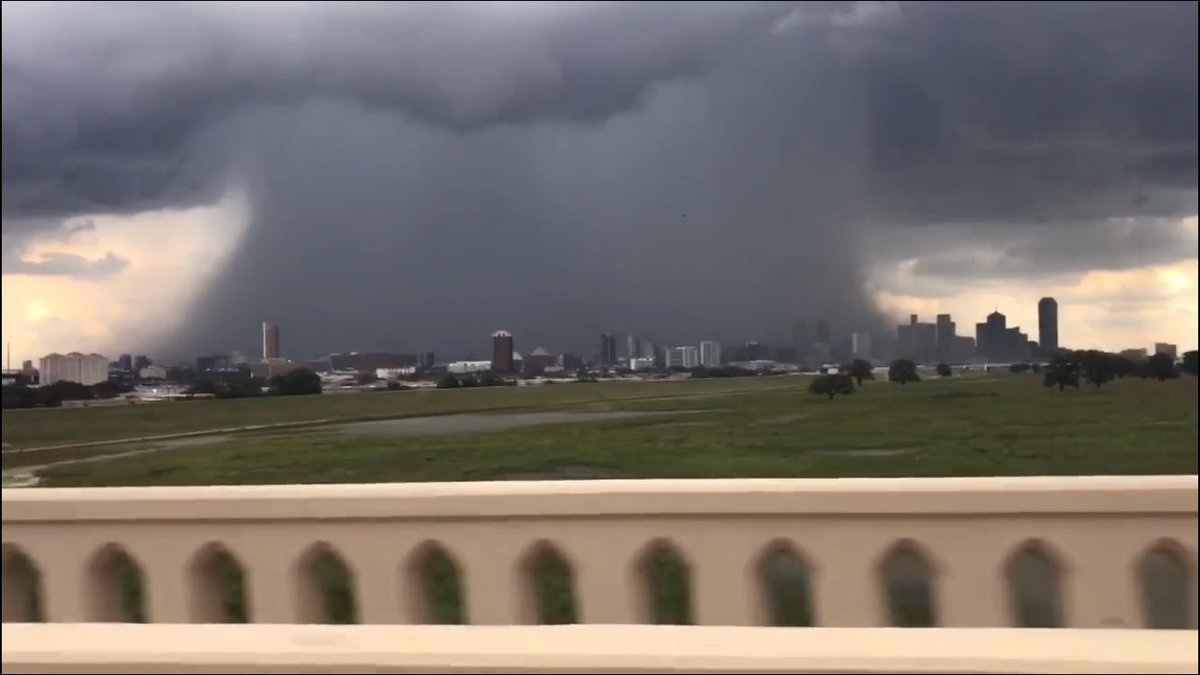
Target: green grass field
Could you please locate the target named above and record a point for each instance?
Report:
(761, 427)
(39, 427)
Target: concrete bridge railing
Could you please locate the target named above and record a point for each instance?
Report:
(173, 648)
(1077, 552)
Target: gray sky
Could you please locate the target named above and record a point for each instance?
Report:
(420, 174)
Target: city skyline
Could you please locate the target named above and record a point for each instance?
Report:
(994, 340)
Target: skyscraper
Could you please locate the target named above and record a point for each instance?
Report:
(998, 343)
(945, 337)
(822, 332)
(860, 345)
(608, 349)
(710, 354)
(801, 340)
(270, 338)
(502, 352)
(1048, 324)
(633, 347)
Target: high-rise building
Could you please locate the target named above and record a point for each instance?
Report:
(633, 347)
(1048, 324)
(710, 354)
(996, 342)
(428, 359)
(1166, 348)
(270, 341)
(860, 345)
(917, 340)
(140, 362)
(502, 352)
(945, 337)
(74, 367)
(683, 357)
(821, 334)
(801, 339)
(608, 349)
(126, 362)
(753, 351)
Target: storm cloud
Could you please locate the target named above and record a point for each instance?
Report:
(420, 174)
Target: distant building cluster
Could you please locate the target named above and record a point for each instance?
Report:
(813, 345)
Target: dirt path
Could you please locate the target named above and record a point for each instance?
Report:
(27, 476)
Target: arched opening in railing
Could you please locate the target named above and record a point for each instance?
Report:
(116, 591)
(549, 586)
(909, 582)
(785, 580)
(1164, 579)
(1034, 575)
(326, 587)
(434, 586)
(22, 590)
(218, 587)
(666, 584)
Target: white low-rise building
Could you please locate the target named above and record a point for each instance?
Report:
(153, 373)
(461, 367)
(74, 367)
(394, 373)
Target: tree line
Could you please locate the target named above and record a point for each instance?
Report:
(293, 383)
(1067, 369)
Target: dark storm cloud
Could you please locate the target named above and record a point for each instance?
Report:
(421, 173)
(102, 101)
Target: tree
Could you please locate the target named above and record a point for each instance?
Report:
(943, 370)
(860, 370)
(832, 385)
(296, 382)
(1017, 368)
(365, 377)
(1161, 367)
(903, 371)
(1189, 363)
(1098, 367)
(449, 382)
(1062, 372)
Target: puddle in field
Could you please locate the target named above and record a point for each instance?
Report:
(778, 419)
(862, 452)
(475, 422)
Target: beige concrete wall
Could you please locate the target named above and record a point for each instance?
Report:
(115, 648)
(1094, 533)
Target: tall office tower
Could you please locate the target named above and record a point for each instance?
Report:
(633, 347)
(608, 349)
(822, 334)
(801, 340)
(710, 354)
(270, 338)
(945, 336)
(502, 352)
(1048, 324)
(860, 345)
